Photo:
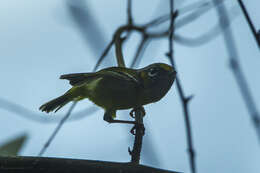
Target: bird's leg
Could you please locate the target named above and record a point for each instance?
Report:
(108, 118)
(137, 109)
(121, 121)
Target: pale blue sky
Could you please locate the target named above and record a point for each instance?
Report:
(39, 42)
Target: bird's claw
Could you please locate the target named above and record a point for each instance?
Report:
(133, 130)
(132, 113)
(137, 109)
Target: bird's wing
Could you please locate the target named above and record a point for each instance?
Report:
(78, 78)
(118, 73)
(115, 72)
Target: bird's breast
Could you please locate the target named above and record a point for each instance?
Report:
(111, 93)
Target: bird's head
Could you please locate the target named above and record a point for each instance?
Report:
(157, 79)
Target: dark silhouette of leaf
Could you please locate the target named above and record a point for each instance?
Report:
(12, 148)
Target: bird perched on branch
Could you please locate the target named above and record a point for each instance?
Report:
(117, 88)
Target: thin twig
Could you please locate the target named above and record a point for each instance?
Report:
(118, 48)
(184, 100)
(149, 151)
(250, 23)
(119, 41)
(171, 31)
(129, 12)
(237, 71)
(46, 145)
(138, 141)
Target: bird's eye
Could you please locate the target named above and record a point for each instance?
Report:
(152, 72)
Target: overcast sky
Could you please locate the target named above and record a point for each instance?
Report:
(40, 41)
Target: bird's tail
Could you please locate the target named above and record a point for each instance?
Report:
(56, 104)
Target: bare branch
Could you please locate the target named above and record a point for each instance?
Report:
(129, 12)
(139, 133)
(236, 69)
(171, 32)
(54, 165)
(139, 127)
(184, 99)
(250, 23)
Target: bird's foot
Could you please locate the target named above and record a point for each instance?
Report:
(137, 109)
(134, 129)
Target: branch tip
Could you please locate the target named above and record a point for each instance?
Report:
(188, 99)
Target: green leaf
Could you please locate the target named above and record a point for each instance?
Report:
(12, 148)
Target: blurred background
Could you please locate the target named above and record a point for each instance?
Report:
(40, 40)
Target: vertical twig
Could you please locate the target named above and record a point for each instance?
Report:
(171, 32)
(118, 46)
(139, 129)
(236, 68)
(129, 12)
(184, 100)
(250, 23)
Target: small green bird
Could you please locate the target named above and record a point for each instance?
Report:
(117, 88)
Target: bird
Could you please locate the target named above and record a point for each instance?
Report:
(116, 88)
